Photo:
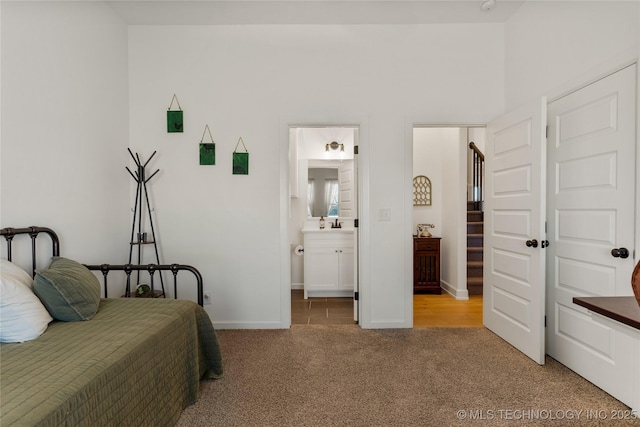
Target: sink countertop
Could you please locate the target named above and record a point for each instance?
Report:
(328, 230)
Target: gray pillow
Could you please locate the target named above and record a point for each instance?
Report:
(68, 290)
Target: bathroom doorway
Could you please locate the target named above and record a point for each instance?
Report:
(323, 180)
(449, 213)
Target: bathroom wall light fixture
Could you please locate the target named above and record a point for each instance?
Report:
(334, 145)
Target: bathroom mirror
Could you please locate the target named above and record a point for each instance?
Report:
(330, 188)
(323, 192)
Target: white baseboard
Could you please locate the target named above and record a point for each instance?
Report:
(297, 285)
(250, 325)
(459, 294)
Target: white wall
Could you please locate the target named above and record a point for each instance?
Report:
(427, 161)
(298, 208)
(453, 247)
(253, 81)
(65, 123)
(297, 220)
(560, 44)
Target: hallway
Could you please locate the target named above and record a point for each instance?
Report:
(445, 311)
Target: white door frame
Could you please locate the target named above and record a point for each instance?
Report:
(362, 123)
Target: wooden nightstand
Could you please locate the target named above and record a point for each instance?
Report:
(426, 265)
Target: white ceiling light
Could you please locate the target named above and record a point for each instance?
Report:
(488, 4)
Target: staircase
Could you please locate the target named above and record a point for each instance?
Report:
(475, 223)
(475, 227)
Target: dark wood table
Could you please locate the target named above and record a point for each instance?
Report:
(625, 310)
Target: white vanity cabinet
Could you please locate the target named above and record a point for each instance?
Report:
(328, 263)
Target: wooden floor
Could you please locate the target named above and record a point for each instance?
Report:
(445, 311)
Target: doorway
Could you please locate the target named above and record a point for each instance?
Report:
(452, 213)
(323, 172)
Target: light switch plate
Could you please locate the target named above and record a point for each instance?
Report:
(384, 214)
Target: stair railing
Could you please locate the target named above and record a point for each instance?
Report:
(477, 193)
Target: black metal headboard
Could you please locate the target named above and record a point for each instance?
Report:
(10, 233)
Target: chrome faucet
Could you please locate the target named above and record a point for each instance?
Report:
(336, 224)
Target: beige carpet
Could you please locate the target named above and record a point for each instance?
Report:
(347, 376)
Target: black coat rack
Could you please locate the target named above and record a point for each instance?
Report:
(141, 237)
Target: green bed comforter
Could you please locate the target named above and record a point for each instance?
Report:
(138, 362)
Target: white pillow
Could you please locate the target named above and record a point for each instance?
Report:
(22, 315)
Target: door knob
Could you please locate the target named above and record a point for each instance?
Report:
(544, 244)
(620, 253)
(532, 243)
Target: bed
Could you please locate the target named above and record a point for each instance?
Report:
(135, 361)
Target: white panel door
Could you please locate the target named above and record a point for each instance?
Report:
(591, 188)
(356, 233)
(346, 197)
(514, 290)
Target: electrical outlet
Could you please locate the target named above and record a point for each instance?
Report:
(207, 298)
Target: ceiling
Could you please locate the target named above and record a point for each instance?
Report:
(339, 12)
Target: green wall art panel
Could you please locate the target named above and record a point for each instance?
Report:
(240, 160)
(207, 153)
(174, 117)
(207, 149)
(174, 121)
(241, 163)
